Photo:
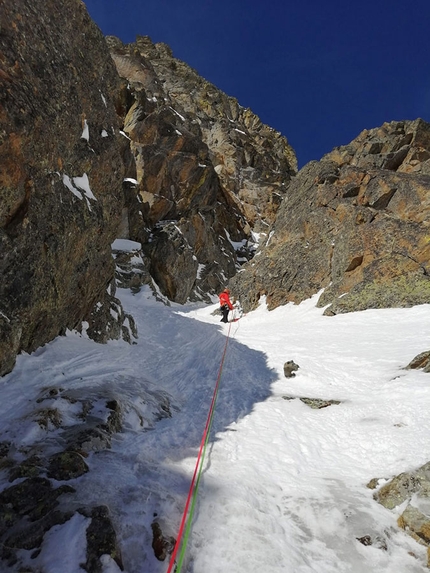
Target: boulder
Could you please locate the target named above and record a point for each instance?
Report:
(290, 368)
(416, 524)
(318, 403)
(64, 466)
(314, 403)
(402, 487)
(27, 511)
(420, 362)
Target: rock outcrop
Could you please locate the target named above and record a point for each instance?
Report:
(355, 224)
(208, 172)
(62, 168)
(420, 362)
(413, 490)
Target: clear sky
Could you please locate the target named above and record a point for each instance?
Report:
(318, 71)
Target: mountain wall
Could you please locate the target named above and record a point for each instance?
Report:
(209, 174)
(100, 140)
(355, 224)
(61, 175)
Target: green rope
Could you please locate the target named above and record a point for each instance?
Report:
(190, 516)
(196, 487)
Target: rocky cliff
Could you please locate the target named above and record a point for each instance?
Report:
(355, 224)
(208, 172)
(102, 140)
(126, 141)
(62, 170)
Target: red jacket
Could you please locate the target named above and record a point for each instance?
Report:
(225, 299)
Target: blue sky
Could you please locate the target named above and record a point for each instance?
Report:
(317, 71)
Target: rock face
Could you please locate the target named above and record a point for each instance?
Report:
(355, 224)
(62, 169)
(253, 161)
(208, 171)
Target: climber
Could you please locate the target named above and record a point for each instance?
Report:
(225, 304)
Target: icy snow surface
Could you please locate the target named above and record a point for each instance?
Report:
(284, 487)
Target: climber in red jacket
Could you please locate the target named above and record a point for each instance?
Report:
(225, 304)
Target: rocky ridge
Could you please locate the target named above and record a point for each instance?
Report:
(253, 161)
(208, 172)
(355, 224)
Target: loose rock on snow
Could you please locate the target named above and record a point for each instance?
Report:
(290, 368)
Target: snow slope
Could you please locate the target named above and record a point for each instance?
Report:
(284, 487)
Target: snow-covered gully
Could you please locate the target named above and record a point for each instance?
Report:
(284, 488)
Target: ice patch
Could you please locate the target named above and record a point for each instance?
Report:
(126, 245)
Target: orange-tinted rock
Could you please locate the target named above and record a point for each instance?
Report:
(61, 171)
(208, 171)
(355, 224)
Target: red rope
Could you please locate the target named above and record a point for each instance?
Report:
(202, 444)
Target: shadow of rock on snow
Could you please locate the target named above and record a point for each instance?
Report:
(246, 379)
(133, 417)
(185, 371)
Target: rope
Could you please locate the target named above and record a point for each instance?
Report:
(192, 493)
